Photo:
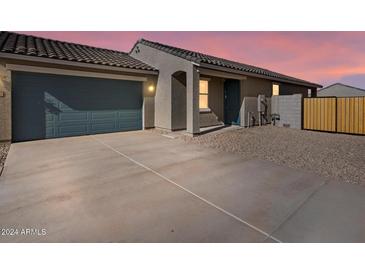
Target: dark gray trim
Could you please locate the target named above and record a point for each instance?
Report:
(204, 65)
(10, 56)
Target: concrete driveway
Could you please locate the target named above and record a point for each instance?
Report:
(144, 187)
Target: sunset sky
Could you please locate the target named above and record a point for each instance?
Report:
(321, 57)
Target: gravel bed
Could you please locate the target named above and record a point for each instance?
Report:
(337, 156)
(4, 148)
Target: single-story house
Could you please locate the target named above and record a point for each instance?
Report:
(52, 89)
(341, 90)
(195, 90)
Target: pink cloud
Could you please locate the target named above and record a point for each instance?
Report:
(323, 57)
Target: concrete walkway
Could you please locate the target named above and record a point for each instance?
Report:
(144, 187)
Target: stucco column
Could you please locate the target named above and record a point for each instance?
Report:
(192, 101)
(5, 104)
(243, 117)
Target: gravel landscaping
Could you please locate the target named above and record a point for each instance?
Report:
(337, 156)
(4, 148)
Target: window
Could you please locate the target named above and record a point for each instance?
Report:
(275, 89)
(309, 92)
(203, 94)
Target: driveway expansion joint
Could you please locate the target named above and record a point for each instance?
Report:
(291, 214)
(253, 227)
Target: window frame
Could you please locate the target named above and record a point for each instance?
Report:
(272, 89)
(203, 109)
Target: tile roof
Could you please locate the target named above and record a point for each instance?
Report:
(220, 62)
(27, 45)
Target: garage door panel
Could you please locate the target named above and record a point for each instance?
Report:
(72, 116)
(50, 106)
(103, 127)
(129, 114)
(123, 124)
(104, 115)
(50, 117)
(72, 130)
(50, 133)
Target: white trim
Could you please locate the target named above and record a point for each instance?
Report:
(205, 110)
(73, 72)
(73, 63)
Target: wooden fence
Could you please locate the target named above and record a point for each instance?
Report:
(343, 114)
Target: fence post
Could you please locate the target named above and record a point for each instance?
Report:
(302, 114)
(336, 121)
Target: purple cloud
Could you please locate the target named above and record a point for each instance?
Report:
(323, 57)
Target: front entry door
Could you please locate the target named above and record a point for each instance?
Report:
(232, 102)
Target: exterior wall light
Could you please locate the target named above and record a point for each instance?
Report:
(151, 88)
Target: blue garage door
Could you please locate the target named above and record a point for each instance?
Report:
(51, 106)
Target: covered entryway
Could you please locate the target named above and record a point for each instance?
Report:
(50, 106)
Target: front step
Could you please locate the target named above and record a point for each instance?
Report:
(209, 119)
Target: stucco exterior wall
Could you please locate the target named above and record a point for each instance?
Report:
(169, 111)
(149, 102)
(341, 91)
(289, 89)
(251, 87)
(192, 101)
(178, 90)
(167, 65)
(215, 103)
(5, 103)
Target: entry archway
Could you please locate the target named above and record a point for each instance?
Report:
(178, 100)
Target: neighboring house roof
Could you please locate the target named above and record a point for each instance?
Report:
(220, 62)
(20, 44)
(343, 85)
